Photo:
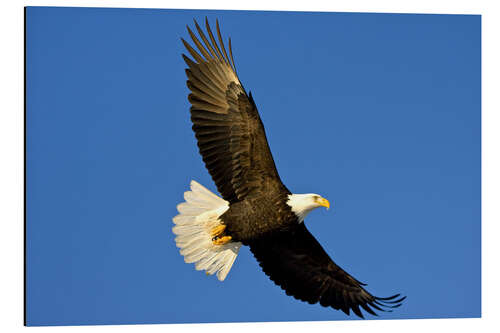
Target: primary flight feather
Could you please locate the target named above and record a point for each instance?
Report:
(256, 208)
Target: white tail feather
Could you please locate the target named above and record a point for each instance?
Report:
(197, 217)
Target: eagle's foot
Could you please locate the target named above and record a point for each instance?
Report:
(217, 231)
(221, 240)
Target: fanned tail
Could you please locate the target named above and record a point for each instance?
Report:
(197, 217)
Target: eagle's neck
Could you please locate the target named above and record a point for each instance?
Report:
(301, 204)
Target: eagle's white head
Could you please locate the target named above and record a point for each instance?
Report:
(302, 204)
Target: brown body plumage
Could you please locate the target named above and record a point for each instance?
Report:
(233, 145)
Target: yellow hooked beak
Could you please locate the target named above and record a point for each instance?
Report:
(323, 202)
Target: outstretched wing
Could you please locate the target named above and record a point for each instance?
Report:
(230, 134)
(297, 263)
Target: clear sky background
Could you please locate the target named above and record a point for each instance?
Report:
(379, 113)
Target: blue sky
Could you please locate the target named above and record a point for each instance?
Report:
(379, 113)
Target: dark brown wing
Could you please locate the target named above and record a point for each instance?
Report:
(297, 263)
(230, 134)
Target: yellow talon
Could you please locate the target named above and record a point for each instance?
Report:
(218, 230)
(222, 240)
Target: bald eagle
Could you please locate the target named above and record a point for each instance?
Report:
(256, 208)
